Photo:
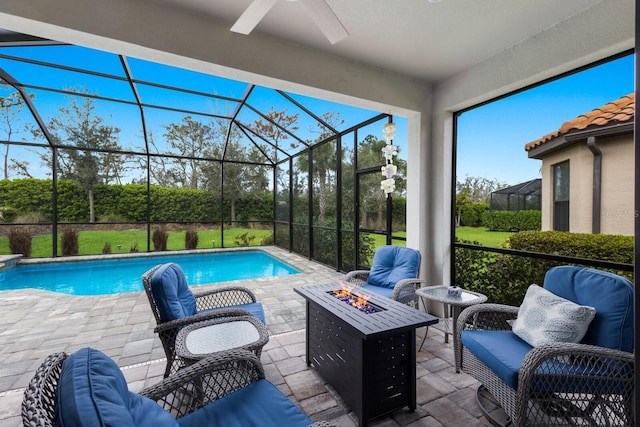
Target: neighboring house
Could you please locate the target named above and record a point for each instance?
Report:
(588, 171)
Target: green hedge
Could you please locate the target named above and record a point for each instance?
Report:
(126, 202)
(472, 214)
(607, 247)
(512, 220)
(505, 278)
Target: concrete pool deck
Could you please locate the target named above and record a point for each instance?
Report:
(35, 323)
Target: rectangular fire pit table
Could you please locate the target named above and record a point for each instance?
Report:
(369, 358)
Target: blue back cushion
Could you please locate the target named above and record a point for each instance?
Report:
(611, 295)
(172, 293)
(393, 263)
(93, 392)
(260, 404)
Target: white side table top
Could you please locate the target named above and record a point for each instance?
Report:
(440, 294)
(221, 336)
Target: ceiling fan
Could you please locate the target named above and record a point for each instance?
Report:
(319, 10)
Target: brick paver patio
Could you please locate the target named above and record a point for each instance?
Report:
(36, 323)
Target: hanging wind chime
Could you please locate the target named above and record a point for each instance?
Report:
(388, 185)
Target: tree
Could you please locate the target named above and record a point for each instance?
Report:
(479, 189)
(274, 129)
(193, 140)
(372, 197)
(10, 108)
(92, 160)
(324, 162)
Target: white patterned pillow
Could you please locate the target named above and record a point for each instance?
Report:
(546, 318)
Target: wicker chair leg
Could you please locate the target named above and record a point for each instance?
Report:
(484, 399)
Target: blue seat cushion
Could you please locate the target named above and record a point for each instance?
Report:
(255, 308)
(383, 291)
(502, 352)
(259, 404)
(611, 295)
(393, 263)
(93, 392)
(171, 293)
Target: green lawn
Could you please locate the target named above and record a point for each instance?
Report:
(482, 236)
(92, 242)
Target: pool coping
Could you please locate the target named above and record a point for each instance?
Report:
(8, 262)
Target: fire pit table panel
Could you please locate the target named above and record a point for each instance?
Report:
(369, 358)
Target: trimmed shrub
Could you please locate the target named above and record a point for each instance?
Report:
(69, 242)
(607, 247)
(190, 239)
(505, 278)
(512, 220)
(159, 238)
(20, 240)
(472, 215)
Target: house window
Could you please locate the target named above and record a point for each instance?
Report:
(561, 196)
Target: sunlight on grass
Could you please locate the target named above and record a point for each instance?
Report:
(483, 236)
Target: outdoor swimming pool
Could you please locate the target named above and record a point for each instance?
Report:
(110, 276)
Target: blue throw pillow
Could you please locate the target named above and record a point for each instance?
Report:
(93, 392)
(172, 293)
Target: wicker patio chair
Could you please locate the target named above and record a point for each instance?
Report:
(589, 382)
(226, 388)
(393, 274)
(175, 305)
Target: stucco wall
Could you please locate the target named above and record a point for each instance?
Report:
(617, 213)
(617, 193)
(580, 185)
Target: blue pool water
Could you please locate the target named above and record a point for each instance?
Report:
(99, 277)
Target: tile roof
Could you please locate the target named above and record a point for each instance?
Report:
(620, 111)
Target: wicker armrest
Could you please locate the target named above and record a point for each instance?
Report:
(356, 277)
(200, 317)
(405, 290)
(206, 381)
(223, 297)
(493, 317)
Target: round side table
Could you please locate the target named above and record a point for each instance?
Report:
(197, 341)
(457, 303)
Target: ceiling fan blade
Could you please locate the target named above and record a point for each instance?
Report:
(252, 15)
(326, 20)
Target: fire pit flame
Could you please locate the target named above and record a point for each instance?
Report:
(357, 301)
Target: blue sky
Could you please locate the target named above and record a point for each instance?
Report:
(127, 117)
(491, 138)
